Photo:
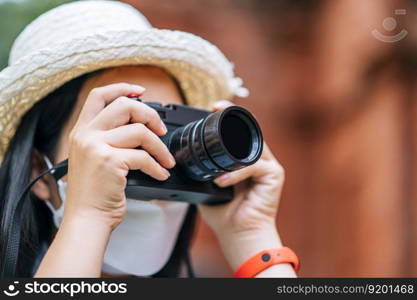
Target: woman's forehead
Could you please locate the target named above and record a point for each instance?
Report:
(160, 86)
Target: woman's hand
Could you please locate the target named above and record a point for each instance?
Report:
(246, 225)
(102, 151)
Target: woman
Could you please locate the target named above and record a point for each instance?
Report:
(64, 96)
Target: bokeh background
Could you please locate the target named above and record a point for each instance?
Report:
(338, 108)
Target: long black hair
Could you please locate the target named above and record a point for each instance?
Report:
(40, 129)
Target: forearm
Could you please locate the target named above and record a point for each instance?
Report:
(239, 247)
(77, 249)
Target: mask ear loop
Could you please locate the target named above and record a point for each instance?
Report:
(57, 213)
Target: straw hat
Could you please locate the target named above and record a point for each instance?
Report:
(84, 36)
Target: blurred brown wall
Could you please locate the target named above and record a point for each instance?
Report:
(338, 108)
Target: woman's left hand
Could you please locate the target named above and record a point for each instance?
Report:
(246, 225)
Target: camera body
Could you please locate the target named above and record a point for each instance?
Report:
(204, 145)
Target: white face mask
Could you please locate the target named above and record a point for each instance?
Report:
(143, 242)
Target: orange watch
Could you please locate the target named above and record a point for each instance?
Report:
(265, 259)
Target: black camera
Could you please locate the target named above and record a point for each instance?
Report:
(205, 145)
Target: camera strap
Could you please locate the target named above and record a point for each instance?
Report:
(13, 229)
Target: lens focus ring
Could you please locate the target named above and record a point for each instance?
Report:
(224, 141)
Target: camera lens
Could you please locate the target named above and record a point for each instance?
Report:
(236, 136)
(224, 141)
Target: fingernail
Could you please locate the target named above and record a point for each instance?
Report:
(222, 179)
(166, 174)
(140, 89)
(172, 161)
(163, 127)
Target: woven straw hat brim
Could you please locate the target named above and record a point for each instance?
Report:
(190, 59)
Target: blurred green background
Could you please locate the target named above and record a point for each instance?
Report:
(14, 16)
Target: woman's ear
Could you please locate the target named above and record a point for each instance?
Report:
(41, 188)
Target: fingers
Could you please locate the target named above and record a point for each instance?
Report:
(265, 172)
(135, 135)
(124, 110)
(234, 177)
(98, 98)
(108, 111)
(265, 169)
(141, 160)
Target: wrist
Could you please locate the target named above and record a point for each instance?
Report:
(77, 249)
(86, 222)
(79, 228)
(240, 246)
(97, 218)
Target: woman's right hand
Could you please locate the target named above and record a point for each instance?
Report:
(102, 151)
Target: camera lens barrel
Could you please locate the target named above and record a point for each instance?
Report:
(224, 141)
